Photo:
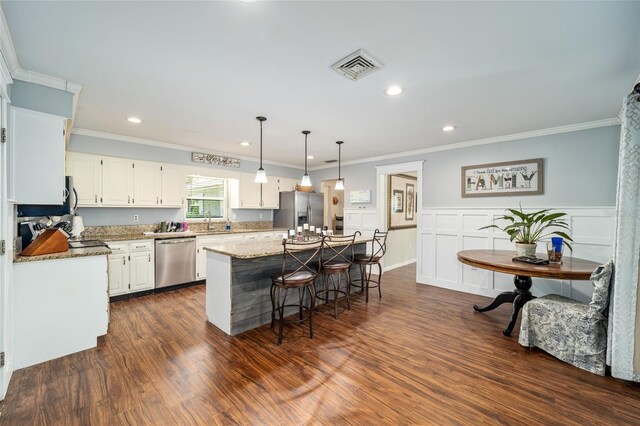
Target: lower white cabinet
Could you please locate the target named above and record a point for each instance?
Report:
(131, 267)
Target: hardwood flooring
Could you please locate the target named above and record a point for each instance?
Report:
(420, 355)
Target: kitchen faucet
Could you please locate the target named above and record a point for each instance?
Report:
(207, 216)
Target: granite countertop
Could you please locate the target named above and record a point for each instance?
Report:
(258, 249)
(162, 236)
(81, 252)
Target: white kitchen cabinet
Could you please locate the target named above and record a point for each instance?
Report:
(36, 145)
(117, 182)
(118, 274)
(173, 186)
(287, 184)
(141, 271)
(146, 184)
(86, 171)
(271, 193)
(250, 192)
(210, 240)
(131, 267)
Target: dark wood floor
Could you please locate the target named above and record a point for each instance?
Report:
(418, 356)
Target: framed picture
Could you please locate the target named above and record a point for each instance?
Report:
(401, 202)
(397, 201)
(524, 177)
(410, 191)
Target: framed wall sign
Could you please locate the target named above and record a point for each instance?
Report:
(524, 177)
(401, 202)
(362, 196)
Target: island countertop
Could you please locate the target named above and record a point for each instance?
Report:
(259, 248)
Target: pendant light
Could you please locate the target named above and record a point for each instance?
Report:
(339, 182)
(305, 178)
(261, 176)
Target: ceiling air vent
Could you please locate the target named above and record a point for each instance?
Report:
(330, 161)
(357, 65)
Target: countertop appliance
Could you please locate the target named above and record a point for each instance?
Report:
(298, 208)
(175, 261)
(68, 206)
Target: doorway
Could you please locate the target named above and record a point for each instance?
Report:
(394, 182)
(333, 206)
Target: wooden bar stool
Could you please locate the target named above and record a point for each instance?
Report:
(300, 267)
(378, 249)
(337, 260)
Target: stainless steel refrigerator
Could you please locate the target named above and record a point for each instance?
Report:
(298, 208)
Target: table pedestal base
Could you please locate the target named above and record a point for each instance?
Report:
(518, 297)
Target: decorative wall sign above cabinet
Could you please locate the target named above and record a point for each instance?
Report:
(362, 196)
(220, 160)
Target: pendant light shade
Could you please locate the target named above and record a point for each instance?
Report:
(339, 182)
(306, 181)
(261, 175)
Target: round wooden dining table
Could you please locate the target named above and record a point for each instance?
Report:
(571, 268)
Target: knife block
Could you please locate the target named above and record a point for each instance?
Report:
(50, 241)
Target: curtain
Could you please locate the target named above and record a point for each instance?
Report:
(623, 352)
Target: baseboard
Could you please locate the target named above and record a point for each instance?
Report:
(398, 265)
(487, 292)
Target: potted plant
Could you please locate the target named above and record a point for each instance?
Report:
(526, 229)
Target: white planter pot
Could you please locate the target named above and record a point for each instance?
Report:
(528, 250)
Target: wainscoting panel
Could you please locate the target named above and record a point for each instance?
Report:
(363, 220)
(447, 231)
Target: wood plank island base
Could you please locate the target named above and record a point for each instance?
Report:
(238, 287)
(501, 261)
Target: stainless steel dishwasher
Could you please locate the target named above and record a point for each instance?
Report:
(175, 261)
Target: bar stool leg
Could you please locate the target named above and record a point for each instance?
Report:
(380, 280)
(300, 296)
(312, 295)
(273, 305)
(336, 287)
(348, 280)
(281, 314)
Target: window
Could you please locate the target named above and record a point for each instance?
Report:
(206, 194)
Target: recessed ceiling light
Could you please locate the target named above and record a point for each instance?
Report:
(310, 157)
(135, 120)
(248, 1)
(245, 143)
(393, 90)
(448, 128)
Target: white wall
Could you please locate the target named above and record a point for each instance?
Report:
(401, 248)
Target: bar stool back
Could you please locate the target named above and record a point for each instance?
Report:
(337, 260)
(367, 261)
(300, 267)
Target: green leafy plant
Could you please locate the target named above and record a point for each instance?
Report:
(529, 228)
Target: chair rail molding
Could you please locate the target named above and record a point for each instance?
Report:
(446, 231)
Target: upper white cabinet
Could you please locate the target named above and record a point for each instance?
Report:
(117, 182)
(36, 143)
(250, 192)
(146, 184)
(173, 186)
(87, 178)
(287, 184)
(271, 193)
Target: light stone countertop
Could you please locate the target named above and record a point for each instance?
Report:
(71, 253)
(256, 249)
(166, 235)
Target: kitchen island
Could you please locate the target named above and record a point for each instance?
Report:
(239, 282)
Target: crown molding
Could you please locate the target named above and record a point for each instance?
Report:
(169, 145)
(46, 80)
(6, 45)
(487, 141)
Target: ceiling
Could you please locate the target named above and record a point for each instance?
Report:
(198, 73)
